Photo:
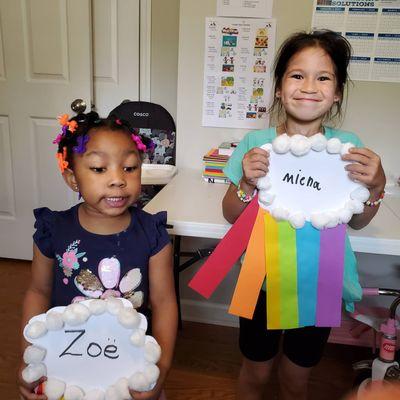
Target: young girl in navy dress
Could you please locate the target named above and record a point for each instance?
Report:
(310, 77)
(103, 246)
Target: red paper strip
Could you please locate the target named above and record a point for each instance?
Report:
(227, 252)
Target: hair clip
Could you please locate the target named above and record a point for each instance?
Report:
(118, 121)
(81, 147)
(138, 141)
(61, 157)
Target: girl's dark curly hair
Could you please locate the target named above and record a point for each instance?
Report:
(74, 142)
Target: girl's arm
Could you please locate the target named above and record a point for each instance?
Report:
(36, 301)
(164, 315)
(254, 165)
(367, 169)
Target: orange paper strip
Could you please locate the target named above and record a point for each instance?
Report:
(252, 273)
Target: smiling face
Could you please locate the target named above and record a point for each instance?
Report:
(108, 173)
(308, 88)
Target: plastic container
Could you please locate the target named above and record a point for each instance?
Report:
(157, 174)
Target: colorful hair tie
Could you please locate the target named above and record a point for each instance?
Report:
(80, 148)
(138, 141)
(62, 162)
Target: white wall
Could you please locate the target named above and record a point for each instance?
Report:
(372, 112)
(373, 107)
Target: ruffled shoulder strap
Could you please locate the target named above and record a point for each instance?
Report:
(154, 226)
(44, 225)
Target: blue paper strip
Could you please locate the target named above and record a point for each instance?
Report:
(308, 243)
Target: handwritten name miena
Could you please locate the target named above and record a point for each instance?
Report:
(299, 179)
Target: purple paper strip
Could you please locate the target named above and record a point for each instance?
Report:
(330, 276)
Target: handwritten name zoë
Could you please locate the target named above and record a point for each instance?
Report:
(92, 349)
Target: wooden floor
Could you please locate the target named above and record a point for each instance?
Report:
(207, 358)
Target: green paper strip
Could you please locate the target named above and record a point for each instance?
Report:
(288, 272)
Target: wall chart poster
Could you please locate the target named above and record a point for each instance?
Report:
(237, 72)
(372, 28)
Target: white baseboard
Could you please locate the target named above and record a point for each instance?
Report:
(207, 313)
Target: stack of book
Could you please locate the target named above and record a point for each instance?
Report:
(214, 164)
(215, 161)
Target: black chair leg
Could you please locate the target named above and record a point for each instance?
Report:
(177, 250)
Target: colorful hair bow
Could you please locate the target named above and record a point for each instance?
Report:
(62, 160)
(139, 143)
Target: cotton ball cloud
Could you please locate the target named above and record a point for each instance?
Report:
(34, 354)
(264, 183)
(333, 219)
(151, 372)
(345, 148)
(139, 382)
(138, 337)
(280, 213)
(356, 206)
(94, 394)
(299, 145)
(297, 220)
(114, 306)
(75, 314)
(361, 194)
(266, 198)
(152, 352)
(36, 329)
(334, 146)
(33, 372)
(73, 393)
(129, 317)
(319, 220)
(97, 306)
(345, 215)
(54, 321)
(54, 388)
(281, 144)
(112, 394)
(318, 142)
(122, 386)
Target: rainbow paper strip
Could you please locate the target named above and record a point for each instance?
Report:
(304, 270)
(227, 252)
(330, 277)
(304, 275)
(252, 273)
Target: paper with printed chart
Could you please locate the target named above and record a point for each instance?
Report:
(237, 72)
(244, 8)
(373, 30)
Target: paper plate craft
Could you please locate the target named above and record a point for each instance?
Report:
(294, 233)
(92, 350)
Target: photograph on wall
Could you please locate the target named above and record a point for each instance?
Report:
(237, 72)
(373, 30)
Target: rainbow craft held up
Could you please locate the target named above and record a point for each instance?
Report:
(300, 250)
(296, 296)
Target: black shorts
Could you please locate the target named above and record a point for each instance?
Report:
(303, 346)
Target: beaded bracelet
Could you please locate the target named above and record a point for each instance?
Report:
(243, 196)
(376, 202)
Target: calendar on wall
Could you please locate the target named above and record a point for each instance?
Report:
(373, 30)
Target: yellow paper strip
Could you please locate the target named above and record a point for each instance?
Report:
(288, 275)
(273, 273)
(252, 273)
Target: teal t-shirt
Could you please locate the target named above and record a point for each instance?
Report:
(351, 287)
